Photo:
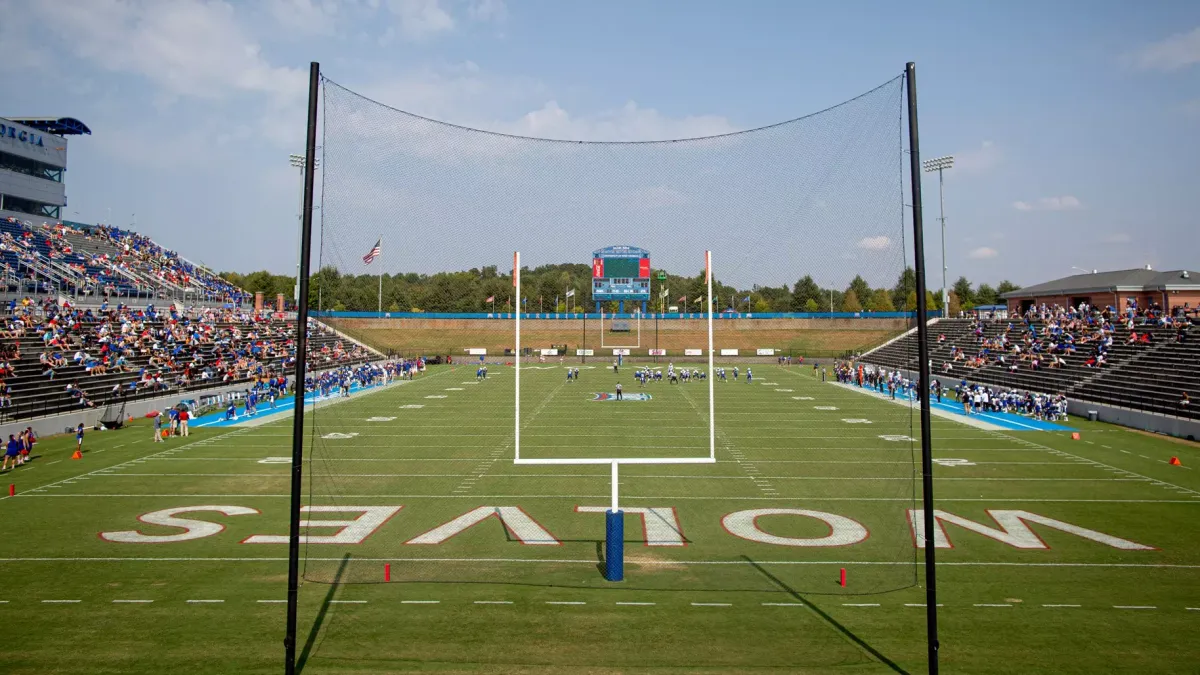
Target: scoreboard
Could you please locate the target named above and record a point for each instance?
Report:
(621, 273)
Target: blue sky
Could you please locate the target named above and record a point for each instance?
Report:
(1076, 125)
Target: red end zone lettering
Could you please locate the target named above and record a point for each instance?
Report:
(1013, 530)
(193, 529)
(353, 531)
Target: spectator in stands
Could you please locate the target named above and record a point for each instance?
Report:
(1184, 400)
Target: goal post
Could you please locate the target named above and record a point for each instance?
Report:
(614, 530)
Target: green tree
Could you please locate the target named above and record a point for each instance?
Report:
(986, 295)
(811, 306)
(805, 289)
(862, 290)
(881, 301)
(966, 296)
(955, 307)
(850, 302)
(907, 283)
(1006, 286)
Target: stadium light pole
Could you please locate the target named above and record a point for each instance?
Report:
(940, 164)
(299, 162)
(923, 379)
(297, 482)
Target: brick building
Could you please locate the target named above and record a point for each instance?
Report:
(1120, 289)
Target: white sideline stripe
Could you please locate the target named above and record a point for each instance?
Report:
(347, 602)
(132, 602)
(495, 602)
(637, 604)
(417, 602)
(783, 604)
(712, 604)
(585, 561)
(200, 602)
(1134, 607)
(1062, 605)
(609, 461)
(271, 601)
(1192, 609)
(565, 602)
(985, 604)
(1038, 500)
(860, 604)
(61, 602)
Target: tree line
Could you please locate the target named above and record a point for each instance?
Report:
(545, 289)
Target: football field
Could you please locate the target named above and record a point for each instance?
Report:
(429, 550)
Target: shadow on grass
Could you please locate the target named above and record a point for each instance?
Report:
(779, 583)
(320, 619)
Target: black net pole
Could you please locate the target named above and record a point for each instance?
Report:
(923, 368)
(293, 592)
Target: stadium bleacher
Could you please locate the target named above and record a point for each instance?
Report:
(1151, 377)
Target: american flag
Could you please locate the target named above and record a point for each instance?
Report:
(490, 298)
(373, 253)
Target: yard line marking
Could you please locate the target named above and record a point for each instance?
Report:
(54, 462)
(712, 604)
(985, 604)
(920, 604)
(1192, 609)
(565, 602)
(860, 604)
(783, 604)
(416, 602)
(347, 602)
(132, 602)
(1062, 605)
(495, 602)
(637, 604)
(61, 602)
(271, 601)
(1134, 607)
(200, 602)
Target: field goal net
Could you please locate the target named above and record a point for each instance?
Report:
(494, 458)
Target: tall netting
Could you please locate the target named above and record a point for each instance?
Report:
(415, 479)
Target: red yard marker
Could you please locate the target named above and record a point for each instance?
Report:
(1075, 436)
(1174, 461)
(387, 571)
(12, 489)
(843, 580)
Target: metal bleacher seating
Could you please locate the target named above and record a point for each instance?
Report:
(1150, 377)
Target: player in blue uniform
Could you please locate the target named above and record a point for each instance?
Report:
(12, 452)
(749, 376)
(79, 437)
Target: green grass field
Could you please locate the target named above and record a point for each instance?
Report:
(83, 589)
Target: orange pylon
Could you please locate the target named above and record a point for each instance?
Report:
(77, 455)
(1174, 461)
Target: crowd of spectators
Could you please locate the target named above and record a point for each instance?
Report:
(1044, 335)
(159, 349)
(28, 252)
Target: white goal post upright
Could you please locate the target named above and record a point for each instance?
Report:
(712, 419)
(517, 356)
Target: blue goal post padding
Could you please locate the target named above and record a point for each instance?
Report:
(614, 545)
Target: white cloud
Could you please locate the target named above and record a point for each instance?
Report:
(1063, 203)
(1191, 108)
(303, 18)
(185, 47)
(1116, 238)
(421, 19)
(488, 10)
(983, 253)
(627, 123)
(1171, 53)
(978, 160)
(874, 243)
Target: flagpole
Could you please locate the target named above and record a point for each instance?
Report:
(381, 276)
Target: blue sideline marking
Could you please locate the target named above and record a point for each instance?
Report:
(1009, 421)
(282, 405)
